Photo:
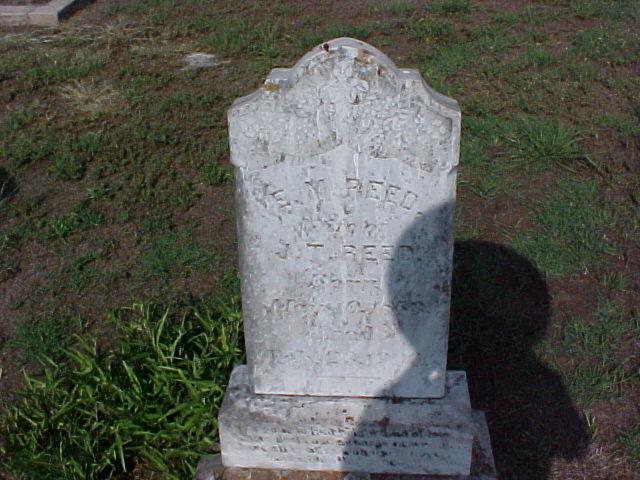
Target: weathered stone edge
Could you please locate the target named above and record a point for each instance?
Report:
(210, 467)
(47, 15)
(14, 15)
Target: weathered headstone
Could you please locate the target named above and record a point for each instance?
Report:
(345, 187)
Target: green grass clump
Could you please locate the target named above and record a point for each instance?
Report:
(314, 35)
(337, 30)
(630, 441)
(71, 157)
(595, 347)
(591, 383)
(626, 129)
(481, 171)
(602, 43)
(598, 371)
(81, 275)
(506, 18)
(450, 6)
(397, 7)
(8, 186)
(596, 339)
(570, 236)
(17, 119)
(81, 218)
(535, 57)
(36, 65)
(217, 174)
(12, 238)
(431, 29)
(46, 336)
(214, 171)
(612, 9)
(22, 149)
(539, 144)
(172, 250)
(232, 36)
(148, 405)
(601, 369)
(444, 62)
(307, 40)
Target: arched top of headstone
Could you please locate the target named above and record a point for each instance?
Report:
(345, 93)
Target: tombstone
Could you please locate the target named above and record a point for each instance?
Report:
(345, 171)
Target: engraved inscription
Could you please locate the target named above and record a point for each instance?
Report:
(300, 358)
(383, 193)
(345, 167)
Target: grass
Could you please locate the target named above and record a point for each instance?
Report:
(626, 129)
(595, 339)
(539, 144)
(611, 9)
(591, 383)
(67, 156)
(214, 171)
(569, 234)
(81, 275)
(40, 68)
(429, 29)
(449, 7)
(70, 158)
(47, 336)
(337, 29)
(234, 36)
(8, 186)
(115, 187)
(599, 371)
(148, 405)
(482, 169)
(400, 8)
(172, 252)
(25, 149)
(614, 281)
(630, 441)
(81, 218)
(535, 57)
(596, 44)
(442, 64)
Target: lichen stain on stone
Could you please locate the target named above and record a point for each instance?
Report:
(364, 56)
(271, 87)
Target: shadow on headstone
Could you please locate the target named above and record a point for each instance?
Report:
(428, 434)
(500, 310)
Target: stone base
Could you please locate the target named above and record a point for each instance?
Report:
(346, 434)
(46, 15)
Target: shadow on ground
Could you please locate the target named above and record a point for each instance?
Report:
(8, 186)
(500, 309)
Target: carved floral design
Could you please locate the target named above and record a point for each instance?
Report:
(344, 97)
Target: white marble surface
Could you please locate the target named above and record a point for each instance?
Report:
(345, 185)
(293, 432)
